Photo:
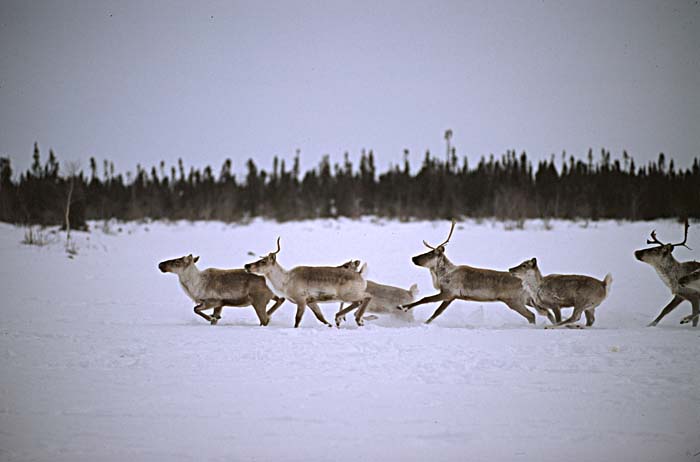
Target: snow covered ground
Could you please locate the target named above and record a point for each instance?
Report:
(102, 358)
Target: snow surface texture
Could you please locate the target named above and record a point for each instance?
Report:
(102, 358)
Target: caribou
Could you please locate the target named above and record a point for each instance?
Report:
(671, 272)
(470, 283)
(556, 291)
(308, 285)
(216, 288)
(385, 298)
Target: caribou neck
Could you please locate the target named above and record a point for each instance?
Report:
(189, 280)
(669, 270)
(277, 278)
(443, 267)
(532, 283)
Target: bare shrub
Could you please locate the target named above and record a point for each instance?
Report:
(35, 236)
(71, 248)
(512, 225)
(107, 227)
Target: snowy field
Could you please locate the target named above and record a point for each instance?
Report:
(102, 358)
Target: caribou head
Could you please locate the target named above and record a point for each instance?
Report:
(177, 265)
(525, 269)
(662, 251)
(265, 264)
(436, 254)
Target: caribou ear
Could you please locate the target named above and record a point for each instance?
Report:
(196, 259)
(534, 262)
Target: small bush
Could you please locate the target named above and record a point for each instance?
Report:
(107, 227)
(35, 236)
(512, 225)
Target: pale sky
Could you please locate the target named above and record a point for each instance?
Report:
(140, 82)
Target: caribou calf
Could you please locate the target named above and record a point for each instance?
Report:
(308, 285)
(671, 271)
(469, 283)
(556, 291)
(216, 288)
(385, 298)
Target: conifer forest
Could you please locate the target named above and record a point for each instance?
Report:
(509, 187)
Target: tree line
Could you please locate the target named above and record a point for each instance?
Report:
(508, 187)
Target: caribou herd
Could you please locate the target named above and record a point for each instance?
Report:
(520, 287)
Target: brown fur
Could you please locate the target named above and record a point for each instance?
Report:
(385, 299)
(217, 288)
(671, 271)
(469, 283)
(691, 281)
(556, 291)
(307, 285)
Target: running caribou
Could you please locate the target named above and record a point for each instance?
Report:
(385, 298)
(216, 288)
(309, 285)
(470, 283)
(556, 291)
(671, 271)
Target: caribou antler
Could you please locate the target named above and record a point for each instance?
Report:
(452, 228)
(278, 247)
(685, 237)
(655, 240)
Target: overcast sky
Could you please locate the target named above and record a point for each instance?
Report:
(140, 82)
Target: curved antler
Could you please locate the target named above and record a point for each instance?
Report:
(278, 247)
(685, 237)
(452, 228)
(655, 240)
